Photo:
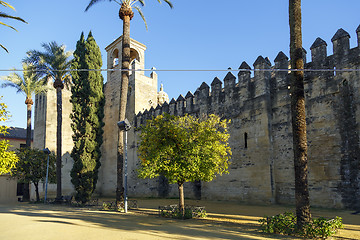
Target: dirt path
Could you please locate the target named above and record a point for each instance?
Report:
(226, 221)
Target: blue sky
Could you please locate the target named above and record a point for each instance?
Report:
(196, 34)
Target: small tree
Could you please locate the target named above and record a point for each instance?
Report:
(32, 167)
(184, 149)
(8, 159)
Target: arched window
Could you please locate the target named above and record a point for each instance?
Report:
(134, 55)
(115, 58)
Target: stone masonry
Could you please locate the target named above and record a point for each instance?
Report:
(258, 105)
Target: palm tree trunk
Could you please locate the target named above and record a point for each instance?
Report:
(29, 104)
(125, 62)
(59, 86)
(298, 116)
(181, 199)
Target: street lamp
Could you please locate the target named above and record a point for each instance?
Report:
(46, 151)
(125, 126)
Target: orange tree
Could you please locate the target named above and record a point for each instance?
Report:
(8, 158)
(184, 149)
(32, 167)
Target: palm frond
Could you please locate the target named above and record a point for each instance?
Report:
(2, 46)
(9, 84)
(53, 62)
(5, 15)
(92, 2)
(5, 4)
(142, 2)
(1, 23)
(28, 84)
(168, 2)
(142, 16)
(13, 80)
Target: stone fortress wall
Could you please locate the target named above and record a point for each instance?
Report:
(261, 169)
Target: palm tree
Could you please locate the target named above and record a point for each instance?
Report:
(298, 115)
(4, 15)
(29, 85)
(54, 63)
(126, 14)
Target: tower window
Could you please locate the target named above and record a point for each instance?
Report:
(115, 58)
(245, 140)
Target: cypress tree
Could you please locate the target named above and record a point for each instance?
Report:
(87, 114)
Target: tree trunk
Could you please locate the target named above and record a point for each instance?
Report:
(126, 16)
(298, 115)
(37, 191)
(181, 199)
(26, 192)
(28, 102)
(58, 86)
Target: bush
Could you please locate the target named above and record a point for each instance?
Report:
(172, 211)
(323, 228)
(282, 223)
(286, 224)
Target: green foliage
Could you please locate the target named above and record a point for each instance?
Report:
(28, 84)
(32, 167)
(323, 228)
(130, 4)
(54, 62)
(282, 223)
(184, 149)
(112, 206)
(8, 159)
(87, 113)
(107, 206)
(177, 213)
(173, 211)
(286, 224)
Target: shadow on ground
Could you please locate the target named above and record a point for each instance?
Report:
(144, 223)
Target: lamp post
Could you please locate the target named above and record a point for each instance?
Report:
(46, 151)
(125, 126)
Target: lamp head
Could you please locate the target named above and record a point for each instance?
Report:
(124, 125)
(46, 151)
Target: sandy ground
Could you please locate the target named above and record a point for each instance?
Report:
(226, 220)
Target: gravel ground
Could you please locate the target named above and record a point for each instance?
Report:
(226, 220)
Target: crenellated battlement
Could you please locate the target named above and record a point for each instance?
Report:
(257, 101)
(234, 92)
(258, 104)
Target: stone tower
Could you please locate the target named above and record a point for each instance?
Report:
(45, 132)
(142, 95)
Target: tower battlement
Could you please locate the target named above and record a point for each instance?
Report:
(223, 97)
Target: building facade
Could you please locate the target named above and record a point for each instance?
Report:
(258, 105)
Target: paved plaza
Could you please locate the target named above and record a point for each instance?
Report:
(226, 220)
